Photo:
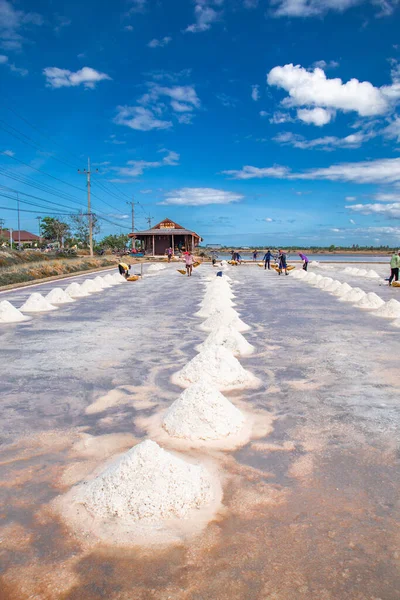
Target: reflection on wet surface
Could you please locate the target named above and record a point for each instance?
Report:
(311, 510)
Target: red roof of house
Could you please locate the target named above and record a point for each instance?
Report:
(25, 236)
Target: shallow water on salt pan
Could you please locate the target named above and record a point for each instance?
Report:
(311, 508)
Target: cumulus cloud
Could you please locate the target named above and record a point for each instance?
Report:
(8, 153)
(200, 197)
(263, 113)
(315, 8)
(312, 88)
(390, 211)
(387, 197)
(137, 167)
(12, 67)
(315, 116)
(139, 118)
(352, 221)
(88, 77)
(205, 16)
(322, 64)
(280, 117)
(13, 24)
(382, 171)
(255, 92)
(159, 43)
(351, 198)
(269, 220)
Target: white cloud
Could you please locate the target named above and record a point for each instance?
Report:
(140, 118)
(390, 211)
(387, 197)
(137, 167)
(335, 230)
(13, 23)
(181, 107)
(322, 64)
(137, 6)
(383, 171)
(61, 22)
(315, 8)
(88, 77)
(200, 197)
(351, 198)
(326, 143)
(118, 216)
(352, 221)
(249, 172)
(280, 117)
(311, 88)
(269, 220)
(255, 92)
(8, 153)
(392, 131)
(263, 113)
(315, 116)
(205, 16)
(128, 28)
(159, 43)
(226, 100)
(180, 93)
(13, 68)
(146, 191)
(3, 59)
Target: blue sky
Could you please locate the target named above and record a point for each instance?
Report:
(252, 122)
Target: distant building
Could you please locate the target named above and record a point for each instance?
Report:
(158, 239)
(25, 237)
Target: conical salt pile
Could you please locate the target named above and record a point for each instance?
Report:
(10, 314)
(147, 484)
(362, 272)
(310, 277)
(228, 316)
(156, 267)
(213, 306)
(219, 366)
(390, 310)
(353, 296)
(75, 291)
(101, 283)
(90, 286)
(343, 289)
(109, 280)
(202, 413)
(325, 281)
(370, 301)
(118, 278)
(58, 296)
(228, 337)
(37, 303)
(315, 281)
(371, 274)
(332, 287)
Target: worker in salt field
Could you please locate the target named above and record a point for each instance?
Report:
(123, 269)
(255, 254)
(267, 259)
(305, 261)
(189, 263)
(169, 254)
(282, 262)
(394, 267)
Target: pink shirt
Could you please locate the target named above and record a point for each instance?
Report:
(188, 259)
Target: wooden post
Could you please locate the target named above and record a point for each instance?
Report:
(192, 243)
(154, 246)
(173, 244)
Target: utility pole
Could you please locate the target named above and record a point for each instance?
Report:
(19, 224)
(1, 226)
(40, 226)
(11, 240)
(132, 204)
(149, 219)
(88, 173)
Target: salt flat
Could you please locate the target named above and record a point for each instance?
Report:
(310, 510)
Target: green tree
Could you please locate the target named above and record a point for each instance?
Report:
(80, 227)
(53, 229)
(114, 241)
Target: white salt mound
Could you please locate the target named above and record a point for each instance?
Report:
(225, 317)
(300, 274)
(343, 289)
(90, 286)
(362, 272)
(371, 274)
(202, 413)
(58, 296)
(118, 278)
(101, 283)
(75, 291)
(371, 301)
(109, 280)
(147, 484)
(332, 287)
(228, 337)
(37, 303)
(217, 365)
(156, 267)
(325, 281)
(212, 307)
(310, 277)
(315, 263)
(353, 296)
(10, 314)
(315, 280)
(389, 310)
